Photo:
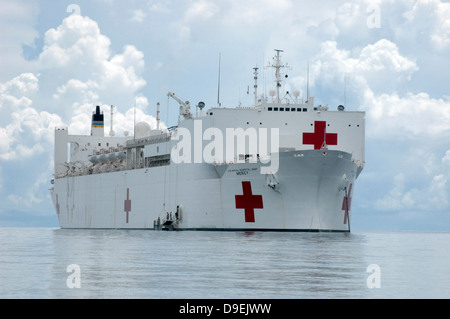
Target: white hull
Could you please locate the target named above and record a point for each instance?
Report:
(310, 195)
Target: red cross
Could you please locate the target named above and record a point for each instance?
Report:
(248, 202)
(127, 203)
(347, 203)
(57, 205)
(320, 138)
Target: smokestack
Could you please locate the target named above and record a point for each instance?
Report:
(98, 124)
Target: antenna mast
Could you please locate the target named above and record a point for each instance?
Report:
(134, 121)
(345, 89)
(277, 65)
(256, 84)
(111, 131)
(218, 86)
(277, 73)
(307, 82)
(157, 116)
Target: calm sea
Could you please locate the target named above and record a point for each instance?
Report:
(52, 263)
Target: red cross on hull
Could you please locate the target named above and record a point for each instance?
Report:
(127, 204)
(57, 205)
(248, 202)
(320, 138)
(347, 203)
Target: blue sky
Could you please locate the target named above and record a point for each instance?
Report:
(59, 59)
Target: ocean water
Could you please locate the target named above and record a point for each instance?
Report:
(53, 263)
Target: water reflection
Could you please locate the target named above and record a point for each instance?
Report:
(149, 264)
(135, 264)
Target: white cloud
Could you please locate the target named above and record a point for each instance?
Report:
(29, 133)
(23, 85)
(446, 158)
(5, 143)
(16, 94)
(121, 72)
(384, 54)
(80, 123)
(406, 117)
(438, 192)
(23, 129)
(430, 19)
(87, 72)
(76, 43)
(431, 197)
(381, 60)
(138, 16)
(398, 198)
(29, 197)
(349, 15)
(253, 12)
(201, 10)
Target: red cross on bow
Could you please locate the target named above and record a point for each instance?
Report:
(57, 204)
(127, 203)
(320, 138)
(248, 202)
(347, 203)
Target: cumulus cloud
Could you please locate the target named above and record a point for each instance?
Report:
(407, 117)
(17, 93)
(22, 127)
(24, 85)
(77, 42)
(91, 73)
(446, 158)
(430, 19)
(433, 196)
(30, 196)
(384, 54)
(29, 133)
(380, 60)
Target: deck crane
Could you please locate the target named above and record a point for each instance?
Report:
(185, 108)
